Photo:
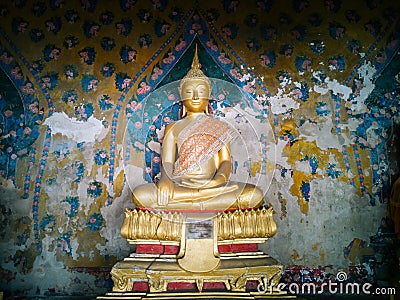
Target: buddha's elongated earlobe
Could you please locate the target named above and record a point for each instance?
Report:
(207, 112)
(184, 112)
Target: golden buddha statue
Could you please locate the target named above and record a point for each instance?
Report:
(196, 158)
(189, 224)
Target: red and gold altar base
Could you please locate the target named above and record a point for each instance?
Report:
(196, 253)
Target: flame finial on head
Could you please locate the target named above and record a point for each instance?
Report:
(195, 62)
(195, 71)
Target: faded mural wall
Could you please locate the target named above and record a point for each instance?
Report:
(323, 75)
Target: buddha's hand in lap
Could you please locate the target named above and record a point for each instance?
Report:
(215, 191)
(165, 191)
(202, 183)
(201, 194)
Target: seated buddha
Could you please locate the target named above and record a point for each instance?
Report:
(196, 158)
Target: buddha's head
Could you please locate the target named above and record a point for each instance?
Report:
(195, 88)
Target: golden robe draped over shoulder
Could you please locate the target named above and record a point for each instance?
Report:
(199, 141)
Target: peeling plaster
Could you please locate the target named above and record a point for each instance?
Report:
(153, 146)
(53, 275)
(46, 272)
(85, 201)
(357, 106)
(281, 103)
(335, 87)
(322, 133)
(134, 175)
(303, 166)
(10, 198)
(365, 72)
(372, 138)
(114, 216)
(280, 159)
(336, 216)
(90, 131)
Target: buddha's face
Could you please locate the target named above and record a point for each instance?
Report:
(195, 94)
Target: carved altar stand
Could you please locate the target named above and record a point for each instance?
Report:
(207, 255)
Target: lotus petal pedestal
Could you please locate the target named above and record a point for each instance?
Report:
(182, 255)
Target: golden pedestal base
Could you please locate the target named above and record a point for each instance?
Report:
(203, 265)
(159, 271)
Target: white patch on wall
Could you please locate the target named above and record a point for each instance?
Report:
(373, 138)
(10, 197)
(303, 166)
(281, 160)
(322, 134)
(350, 125)
(84, 200)
(114, 216)
(365, 72)
(282, 103)
(74, 247)
(154, 146)
(247, 148)
(134, 175)
(47, 273)
(336, 215)
(160, 133)
(335, 87)
(90, 131)
(320, 89)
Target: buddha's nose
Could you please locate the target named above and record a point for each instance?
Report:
(195, 95)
